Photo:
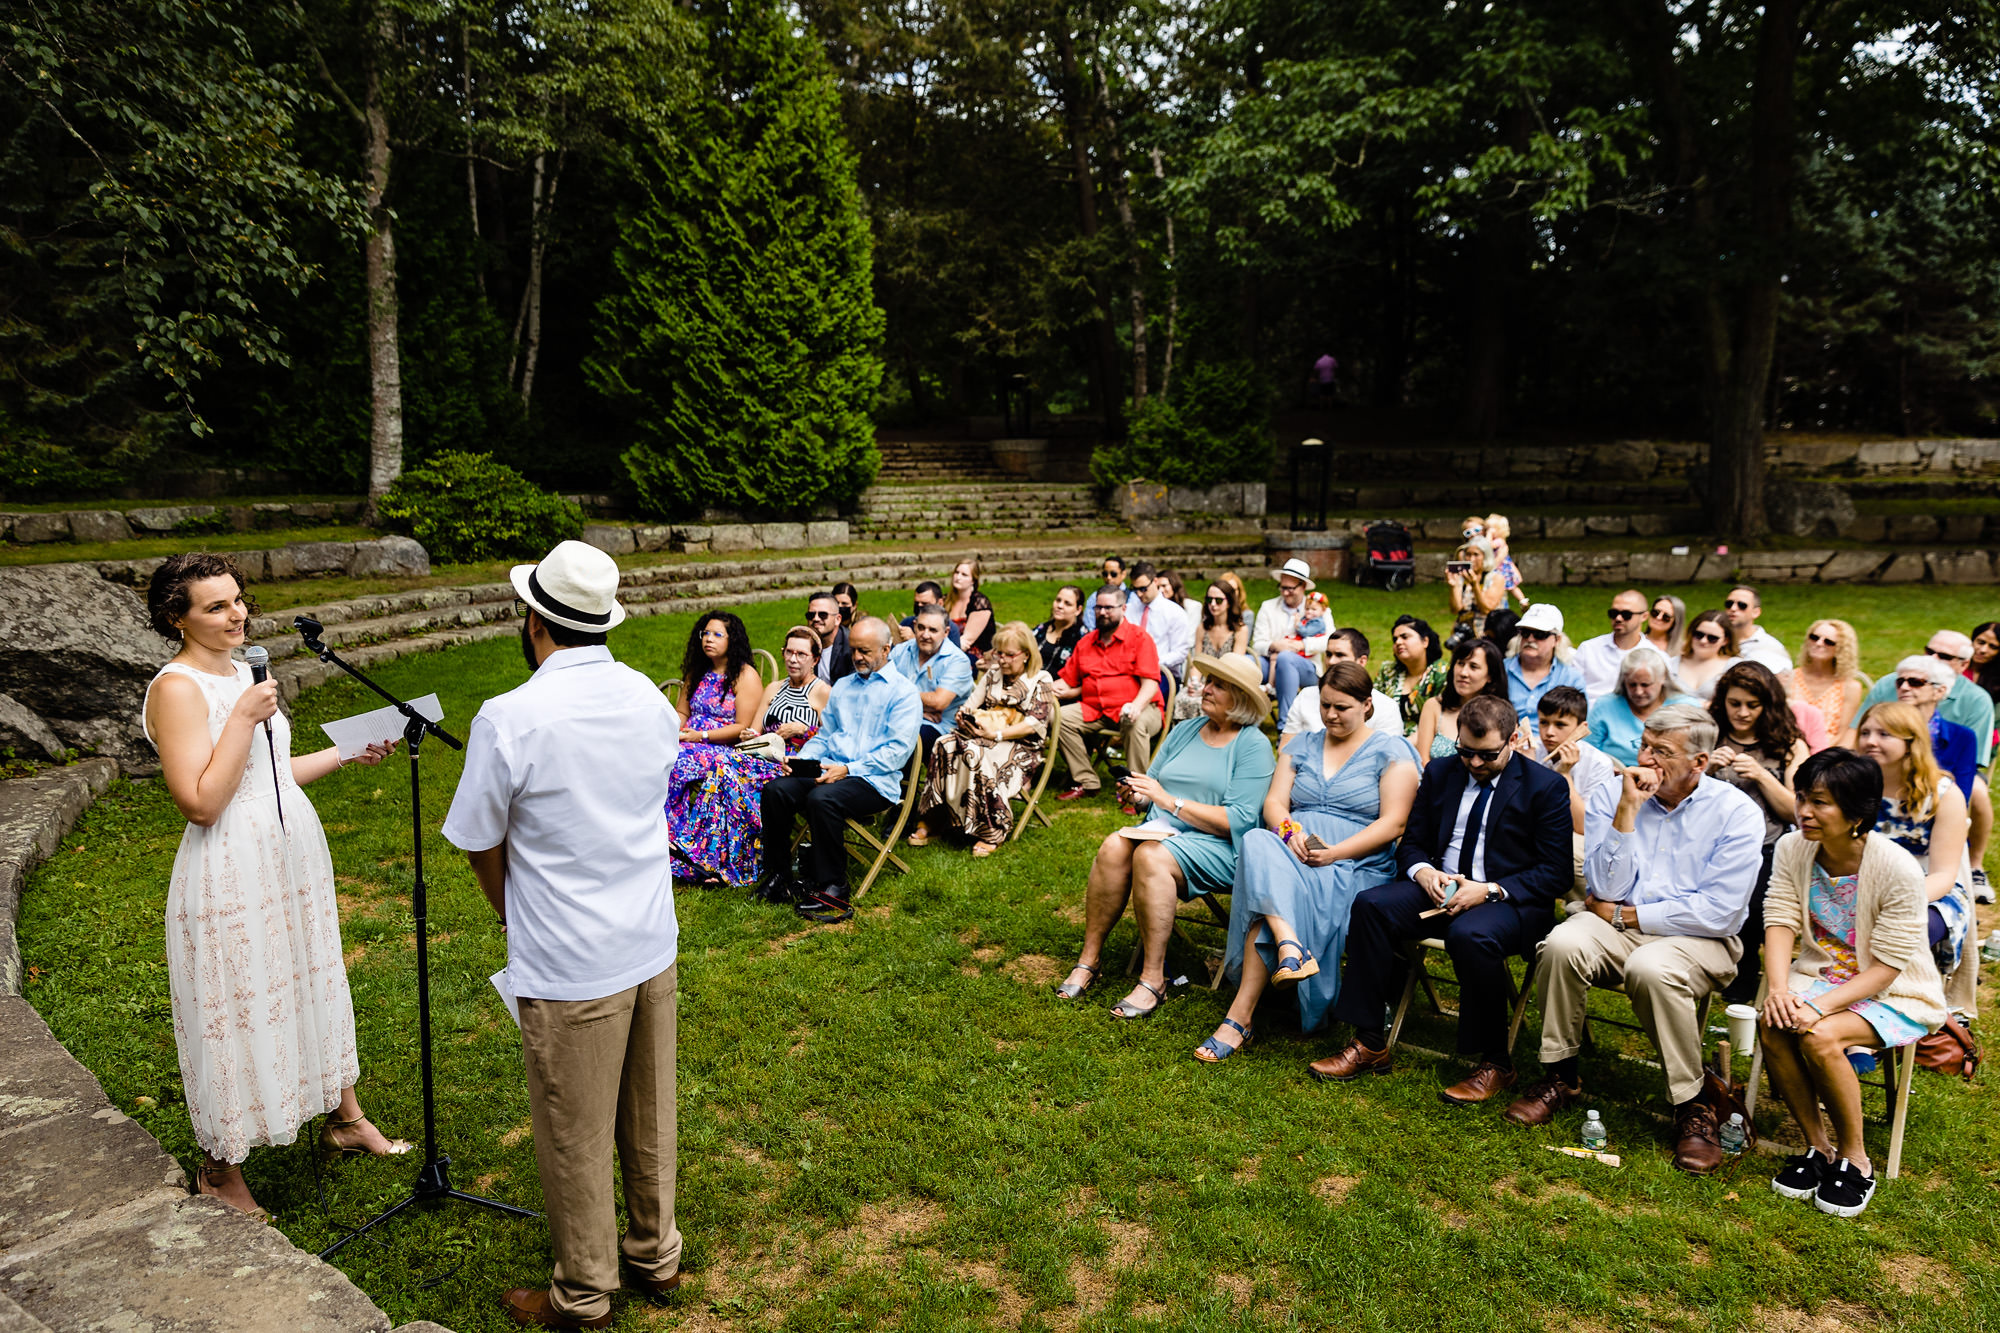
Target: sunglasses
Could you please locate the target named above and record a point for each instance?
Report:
(1536, 634)
(1699, 637)
(1485, 756)
(1737, 606)
(1821, 638)
(1615, 614)
(1941, 656)
(821, 615)
(1914, 682)
(1223, 600)
(1663, 613)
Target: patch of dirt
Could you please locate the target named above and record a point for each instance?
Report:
(1457, 1219)
(969, 936)
(799, 1046)
(784, 942)
(1096, 1280)
(484, 1184)
(517, 1134)
(743, 1152)
(1549, 1191)
(1013, 1306)
(879, 1227)
(1247, 1170)
(1003, 1045)
(1334, 1188)
(987, 954)
(1072, 913)
(1913, 1274)
(1239, 1286)
(1034, 969)
(354, 955)
(879, 912)
(1831, 1317)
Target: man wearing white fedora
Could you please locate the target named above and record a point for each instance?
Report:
(562, 811)
(1290, 662)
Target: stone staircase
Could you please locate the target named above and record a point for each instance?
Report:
(949, 510)
(937, 460)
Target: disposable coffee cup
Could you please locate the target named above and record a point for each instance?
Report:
(1742, 1028)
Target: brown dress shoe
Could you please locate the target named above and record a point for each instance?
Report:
(1540, 1102)
(658, 1286)
(1699, 1149)
(532, 1308)
(1351, 1063)
(1480, 1084)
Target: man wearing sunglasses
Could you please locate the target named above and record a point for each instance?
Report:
(1753, 642)
(1487, 848)
(1599, 658)
(836, 660)
(1540, 659)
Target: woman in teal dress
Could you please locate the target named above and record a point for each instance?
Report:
(1203, 790)
(1350, 786)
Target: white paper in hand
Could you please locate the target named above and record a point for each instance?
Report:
(507, 996)
(357, 733)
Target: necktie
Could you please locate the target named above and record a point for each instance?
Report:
(1145, 609)
(1470, 843)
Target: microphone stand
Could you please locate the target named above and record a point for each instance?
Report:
(433, 1181)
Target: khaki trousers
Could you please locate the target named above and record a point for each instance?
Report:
(1136, 736)
(599, 1071)
(1665, 976)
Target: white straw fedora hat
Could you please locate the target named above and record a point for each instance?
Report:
(1297, 569)
(575, 586)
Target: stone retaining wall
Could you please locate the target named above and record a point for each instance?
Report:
(113, 525)
(35, 815)
(1550, 568)
(624, 539)
(1655, 462)
(385, 557)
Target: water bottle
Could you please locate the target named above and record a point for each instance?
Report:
(1990, 950)
(1595, 1136)
(1733, 1135)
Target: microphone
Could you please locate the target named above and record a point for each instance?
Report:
(258, 659)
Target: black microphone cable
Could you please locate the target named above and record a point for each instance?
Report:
(258, 659)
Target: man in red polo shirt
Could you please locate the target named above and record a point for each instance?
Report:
(1109, 686)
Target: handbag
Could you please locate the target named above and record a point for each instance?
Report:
(1952, 1049)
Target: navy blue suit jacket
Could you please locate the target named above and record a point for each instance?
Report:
(1529, 839)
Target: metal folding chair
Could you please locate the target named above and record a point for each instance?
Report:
(884, 851)
(1419, 971)
(1032, 808)
(1213, 958)
(767, 665)
(1895, 1088)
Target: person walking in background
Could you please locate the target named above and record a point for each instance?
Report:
(561, 810)
(263, 1020)
(1323, 372)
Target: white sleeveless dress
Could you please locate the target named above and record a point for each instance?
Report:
(262, 1015)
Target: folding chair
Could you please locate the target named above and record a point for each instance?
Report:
(1173, 690)
(767, 665)
(884, 853)
(1212, 957)
(1895, 1088)
(1419, 970)
(671, 687)
(1032, 808)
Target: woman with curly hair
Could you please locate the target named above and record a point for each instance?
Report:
(1760, 750)
(1827, 675)
(713, 809)
(1476, 668)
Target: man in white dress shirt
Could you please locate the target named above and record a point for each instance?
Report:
(562, 811)
(1671, 858)
(1599, 658)
(1753, 643)
(1343, 645)
(1153, 609)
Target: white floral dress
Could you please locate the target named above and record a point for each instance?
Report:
(262, 1016)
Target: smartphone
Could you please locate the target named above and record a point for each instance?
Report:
(1313, 844)
(804, 768)
(1458, 566)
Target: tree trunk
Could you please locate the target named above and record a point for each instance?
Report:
(528, 293)
(471, 176)
(1173, 290)
(1104, 377)
(1121, 197)
(535, 266)
(1500, 249)
(385, 435)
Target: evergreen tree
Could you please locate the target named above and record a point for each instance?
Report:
(742, 336)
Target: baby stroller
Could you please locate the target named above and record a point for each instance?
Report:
(1392, 560)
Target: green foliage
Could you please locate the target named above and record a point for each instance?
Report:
(1217, 428)
(467, 507)
(741, 339)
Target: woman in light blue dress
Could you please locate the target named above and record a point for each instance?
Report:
(1350, 787)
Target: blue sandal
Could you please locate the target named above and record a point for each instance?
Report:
(1290, 972)
(1214, 1052)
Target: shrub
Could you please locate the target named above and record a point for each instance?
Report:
(467, 507)
(1216, 429)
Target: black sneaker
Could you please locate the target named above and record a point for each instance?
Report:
(1802, 1174)
(1844, 1191)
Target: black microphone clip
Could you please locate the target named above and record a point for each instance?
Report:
(309, 630)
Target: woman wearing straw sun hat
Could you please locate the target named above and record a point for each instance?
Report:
(1288, 661)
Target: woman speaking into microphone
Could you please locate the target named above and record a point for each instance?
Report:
(262, 1016)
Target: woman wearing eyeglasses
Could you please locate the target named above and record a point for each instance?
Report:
(1710, 652)
(1645, 686)
(794, 701)
(1827, 674)
(1666, 626)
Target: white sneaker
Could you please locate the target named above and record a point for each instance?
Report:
(1982, 892)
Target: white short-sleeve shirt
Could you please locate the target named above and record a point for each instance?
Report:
(570, 770)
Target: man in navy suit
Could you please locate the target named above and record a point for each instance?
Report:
(1489, 841)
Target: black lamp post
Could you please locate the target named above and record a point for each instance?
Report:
(1318, 454)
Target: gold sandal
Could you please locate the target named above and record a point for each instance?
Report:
(397, 1147)
(210, 1173)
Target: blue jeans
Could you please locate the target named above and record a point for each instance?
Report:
(1291, 673)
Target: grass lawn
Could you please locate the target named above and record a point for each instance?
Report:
(891, 1123)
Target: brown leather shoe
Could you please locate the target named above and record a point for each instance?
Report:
(1351, 1063)
(1699, 1149)
(665, 1286)
(532, 1308)
(1538, 1104)
(1482, 1083)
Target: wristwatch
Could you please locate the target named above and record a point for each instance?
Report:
(1618, 916)
(1493, 893)
(1179, 801)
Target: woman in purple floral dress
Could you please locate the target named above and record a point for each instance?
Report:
(712, 804)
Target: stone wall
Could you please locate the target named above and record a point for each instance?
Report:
(113, 525)
(1652, 462)
(701, 538)
(1641, 568)
(385, 557)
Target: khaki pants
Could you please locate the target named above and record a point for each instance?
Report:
(600, 1070)
(1665, 976)
(1136, 736)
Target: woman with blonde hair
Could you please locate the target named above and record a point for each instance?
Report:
(970, 609)
(1924, 813)
(1666, 625)
(1827, 675)
(994, 749)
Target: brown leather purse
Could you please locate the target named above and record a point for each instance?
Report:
(1952, 1049)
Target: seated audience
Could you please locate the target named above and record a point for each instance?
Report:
(1177, 589)
(1111, 575)
(1416, 672)
(1753, 642)
(1221, 631)
(793, 702)
(1844, 926)
(712, 797)
(1758, 752)
(1827, 675)
(1153, 609)
(1476, 668)
(1984, 671)
(823, 617)
(1559, 743)
(1478, 591)
(928, 593)
(849, 598)
(1923, 812)
(938, 668)
(1056, 638)
(1286, 657)
(995, 746)
(1349, 786)
(1709, 654)
(1922, 682)
(866, 737)
(971, 611)
(1540, 659)
(1599, 658)
(1672, 858)
(1343, 645)
(1618, 718)
(1666, 626)
(1206, 788)
(1109, 686)
(1487, 841)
